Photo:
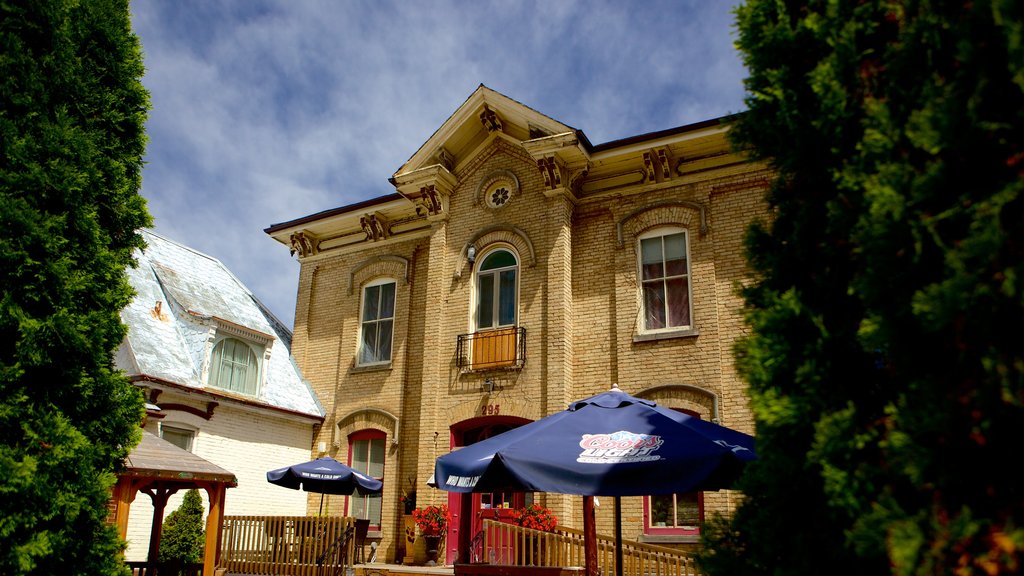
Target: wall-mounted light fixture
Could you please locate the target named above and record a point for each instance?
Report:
(489, 385)
(471, 255)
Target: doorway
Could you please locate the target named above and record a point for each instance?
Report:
(487, 506)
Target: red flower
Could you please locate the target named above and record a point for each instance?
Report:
(536, 517)
(432, 520)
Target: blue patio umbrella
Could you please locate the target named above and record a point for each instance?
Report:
(611, 444)
(326, 476)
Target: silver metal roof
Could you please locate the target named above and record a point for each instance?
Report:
(181, 294)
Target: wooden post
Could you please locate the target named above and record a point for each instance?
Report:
(159, 496)
(618, 536)
(215, 492)
(589, 536)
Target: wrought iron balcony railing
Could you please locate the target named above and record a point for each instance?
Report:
(500, 349)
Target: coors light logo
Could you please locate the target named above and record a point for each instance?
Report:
(618, 447)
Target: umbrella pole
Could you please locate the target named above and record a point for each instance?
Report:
(589, 536)
(618, 536)
(321, 513)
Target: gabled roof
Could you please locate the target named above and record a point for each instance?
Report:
(180, 295)
(473, 123)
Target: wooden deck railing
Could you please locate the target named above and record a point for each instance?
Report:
(287, 545)
(515, 545)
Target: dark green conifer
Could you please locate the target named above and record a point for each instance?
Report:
(885, 366)
(182, 536)
(72, 111)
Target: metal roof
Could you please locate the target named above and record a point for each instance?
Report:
(181, 295)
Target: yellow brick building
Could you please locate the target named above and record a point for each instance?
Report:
(516, 268)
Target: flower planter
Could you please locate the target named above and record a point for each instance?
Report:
(433, 542)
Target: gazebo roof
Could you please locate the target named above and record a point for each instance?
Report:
(157, 458)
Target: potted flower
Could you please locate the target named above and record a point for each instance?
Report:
(408, 500)
(433, 523)
(536, 517)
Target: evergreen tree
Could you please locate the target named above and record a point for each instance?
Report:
(885, 365)
(72, 111)
(182, 537)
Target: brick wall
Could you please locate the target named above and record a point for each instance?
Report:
(578, 300)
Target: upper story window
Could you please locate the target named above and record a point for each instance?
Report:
(235, 366)
(665, 280)
(497, 287)
(377, 322)
(366, 455)
(180, 437)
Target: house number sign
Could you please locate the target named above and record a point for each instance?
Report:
(490, 410)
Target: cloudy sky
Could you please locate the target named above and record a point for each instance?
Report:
(266, 111)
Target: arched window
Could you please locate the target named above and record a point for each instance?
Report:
(497, 290)
(665, 279)
(674, 514)
(234, 366)
(366, 455)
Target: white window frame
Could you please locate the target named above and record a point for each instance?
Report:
(357, 500)
(214, 370)
(496, 290)
(675, 531)
(662, 232)
(180, 428)
(378, 321)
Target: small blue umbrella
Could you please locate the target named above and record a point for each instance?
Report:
(611, 444)
(326, 476)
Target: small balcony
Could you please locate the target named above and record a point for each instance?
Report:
(501, 349)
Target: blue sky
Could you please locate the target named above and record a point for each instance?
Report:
(266, 111)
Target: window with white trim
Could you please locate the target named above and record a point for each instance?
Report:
(366, 455)
(235, 366)
(497, 288)
(665, 280)
(377, 322)
(180, 437)
(674, 514)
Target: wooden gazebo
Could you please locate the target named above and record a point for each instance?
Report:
(159, 469)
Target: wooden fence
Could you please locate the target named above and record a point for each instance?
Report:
(287, 545)
(514, 545)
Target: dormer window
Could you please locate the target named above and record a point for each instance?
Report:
(235, 366)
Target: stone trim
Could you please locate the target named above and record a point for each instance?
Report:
(674, 212)
(387, 265)
(498, 233)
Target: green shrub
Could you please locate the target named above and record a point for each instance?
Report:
(182, 538)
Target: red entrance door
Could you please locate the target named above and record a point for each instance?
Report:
(492, 506)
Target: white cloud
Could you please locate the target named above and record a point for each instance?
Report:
(268, 111)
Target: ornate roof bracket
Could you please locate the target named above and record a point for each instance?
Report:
(375, 226)
(429, 189)
(490, 119)
(563, 161)
(304, 244)
(658, 164)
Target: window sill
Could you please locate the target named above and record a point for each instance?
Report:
(666, 335)
(370, 368)
(670, 538)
